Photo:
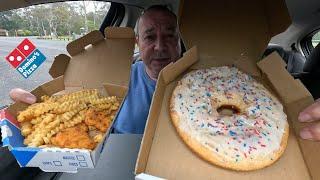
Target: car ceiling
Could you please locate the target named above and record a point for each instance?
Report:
(304, 12)
(305, 17)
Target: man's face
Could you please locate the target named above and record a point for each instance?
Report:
(158, 41)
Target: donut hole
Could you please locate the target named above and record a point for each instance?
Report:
(228, 110)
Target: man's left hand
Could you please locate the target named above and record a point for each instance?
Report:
(310, 114)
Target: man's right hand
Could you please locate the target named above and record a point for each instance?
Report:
(20, 95)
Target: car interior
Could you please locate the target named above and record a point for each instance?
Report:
(296, 46)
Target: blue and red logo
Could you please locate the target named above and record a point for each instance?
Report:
(26, 58)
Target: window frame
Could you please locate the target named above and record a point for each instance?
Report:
(306, 43)
(114, 16)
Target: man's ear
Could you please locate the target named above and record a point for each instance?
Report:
(137, 40)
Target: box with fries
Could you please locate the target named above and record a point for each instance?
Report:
(67, 127)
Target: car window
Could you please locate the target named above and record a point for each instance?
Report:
(50, 27)
(316, 39)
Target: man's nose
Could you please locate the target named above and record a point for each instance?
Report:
(159, 44)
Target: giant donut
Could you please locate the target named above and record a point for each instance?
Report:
(229, 119)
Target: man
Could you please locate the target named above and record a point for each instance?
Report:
(159, 43)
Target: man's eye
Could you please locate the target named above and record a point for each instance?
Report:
(149, 38)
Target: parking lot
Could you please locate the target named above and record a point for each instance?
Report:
(11, 78)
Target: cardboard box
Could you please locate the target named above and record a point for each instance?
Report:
(95, 62)
(227, 33)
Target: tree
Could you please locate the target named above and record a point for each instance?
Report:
(54, 18)
(5, 22)
(37, 14)
(85, 16)
(11, 21)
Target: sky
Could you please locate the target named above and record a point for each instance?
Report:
(89, 5)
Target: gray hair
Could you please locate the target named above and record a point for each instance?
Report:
(162, 8)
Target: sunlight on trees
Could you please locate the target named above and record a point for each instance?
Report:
(64, 19)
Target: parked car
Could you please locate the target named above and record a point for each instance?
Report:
(4, 32)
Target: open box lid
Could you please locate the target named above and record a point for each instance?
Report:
(228, 30)
(96, 60)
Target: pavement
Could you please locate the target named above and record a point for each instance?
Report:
(11, 78)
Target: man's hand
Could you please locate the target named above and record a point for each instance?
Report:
(20, 95)
(310, 114)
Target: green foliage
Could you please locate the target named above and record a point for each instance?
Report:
(56, 19)
(24, 32)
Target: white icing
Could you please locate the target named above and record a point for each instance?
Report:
(255, 132)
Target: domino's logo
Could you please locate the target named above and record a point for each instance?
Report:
(25, 58)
